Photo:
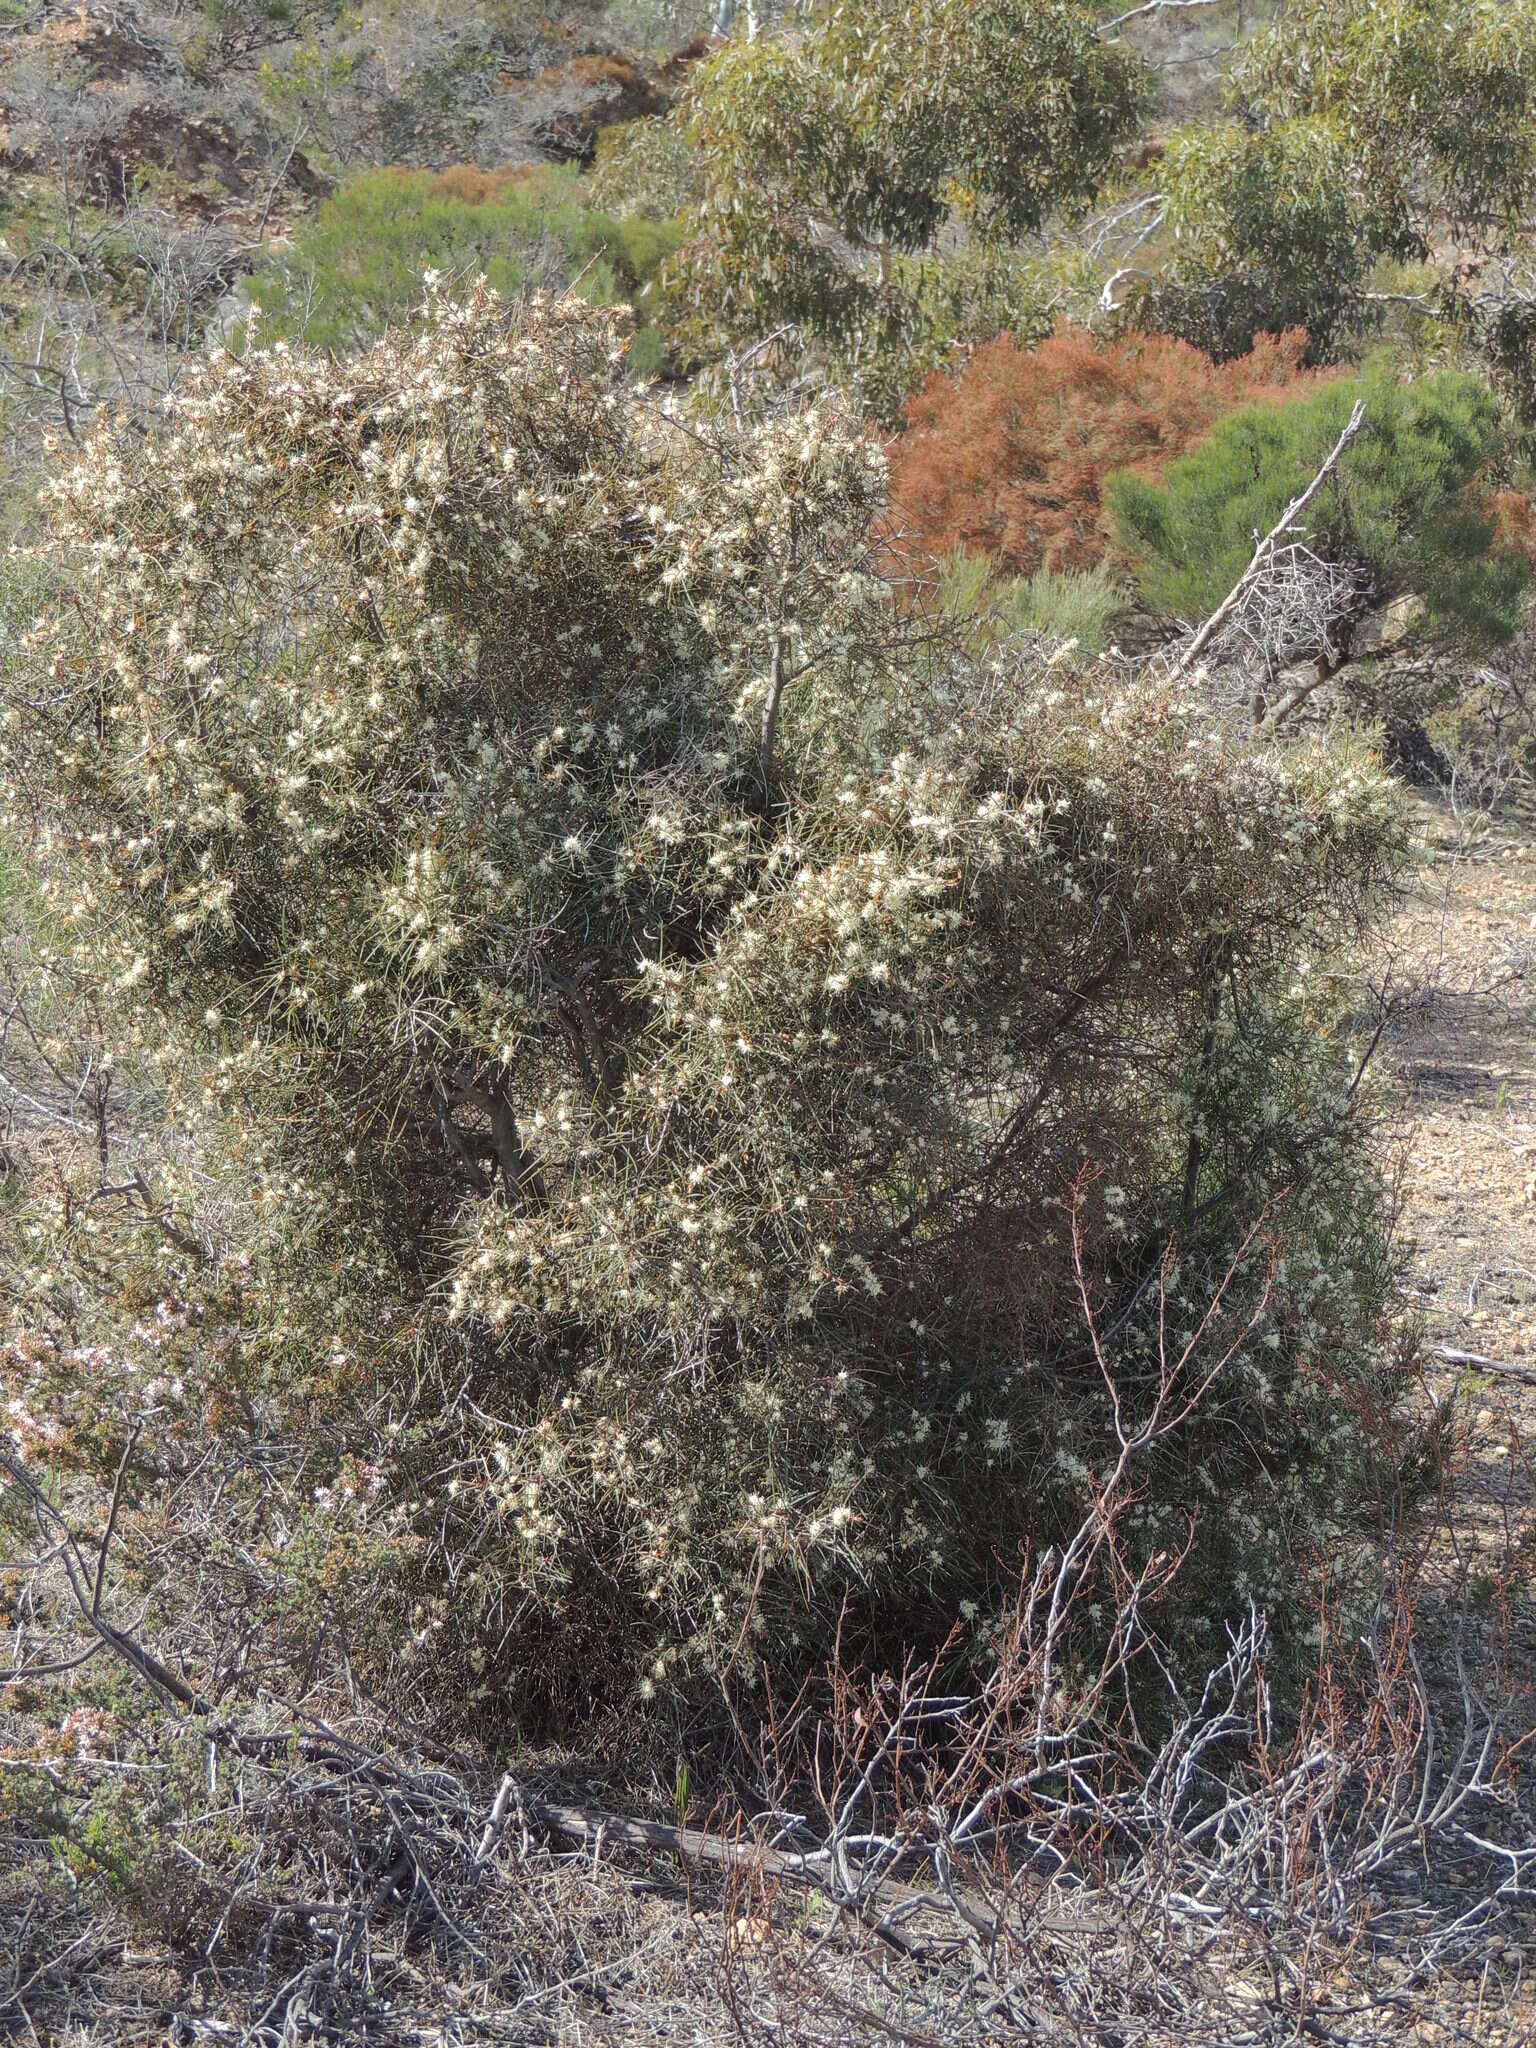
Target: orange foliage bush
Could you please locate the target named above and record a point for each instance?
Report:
(1514, 521)
(1009, 456)
(473, 186)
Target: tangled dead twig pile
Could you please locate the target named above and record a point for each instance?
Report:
(1261, 567)
(916, 1866)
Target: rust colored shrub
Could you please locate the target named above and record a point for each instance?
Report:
(1514, 521)
(473, 186)
(1009, 456)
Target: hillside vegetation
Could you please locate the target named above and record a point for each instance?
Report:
(706, 725)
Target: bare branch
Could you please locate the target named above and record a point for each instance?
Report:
(1264, 551)
(1153, 7)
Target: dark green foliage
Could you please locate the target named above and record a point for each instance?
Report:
(1366, 129)
(1407, 503)
(1270, 236)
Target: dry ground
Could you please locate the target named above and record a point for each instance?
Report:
(1461, 1053)
(1460, 1066)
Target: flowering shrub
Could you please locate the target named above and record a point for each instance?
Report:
(1009, 456)
(669, 1038)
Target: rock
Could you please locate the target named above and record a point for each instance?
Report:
(207, 165)
(674, 73)
(1302, 675)
(109, 50)
(1381, 631)
(569, 101)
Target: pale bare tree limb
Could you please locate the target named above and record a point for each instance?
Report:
(1479, 1362)
(1152, 7)
(1264, 551)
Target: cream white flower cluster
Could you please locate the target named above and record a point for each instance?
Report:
(701, 992)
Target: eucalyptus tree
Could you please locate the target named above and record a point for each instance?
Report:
(868, 173)
(1360, 130)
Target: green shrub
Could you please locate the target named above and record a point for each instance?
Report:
(357, 266)
(1062, 605)
(1410, 502)
(865, 179)
(1366, 129)
(680, 1159)
(1067, 604)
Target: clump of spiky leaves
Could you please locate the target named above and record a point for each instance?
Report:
(1072, 609)
(669, 1017)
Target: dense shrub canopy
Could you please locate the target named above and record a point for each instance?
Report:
(1366, 129)
(1270, 233)
(1434, 101)
(710, 1094)
(1411, 503)
(831, 160)
(1009, 457)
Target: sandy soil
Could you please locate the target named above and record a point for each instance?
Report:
(1460, 1055)
(1459, 1060)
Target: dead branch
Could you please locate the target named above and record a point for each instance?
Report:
(1153, 7)
(1264, 552)
(1480, 1363)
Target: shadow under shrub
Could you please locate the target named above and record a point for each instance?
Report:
(667, 1016)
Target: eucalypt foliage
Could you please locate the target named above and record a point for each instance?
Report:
(869, 177)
